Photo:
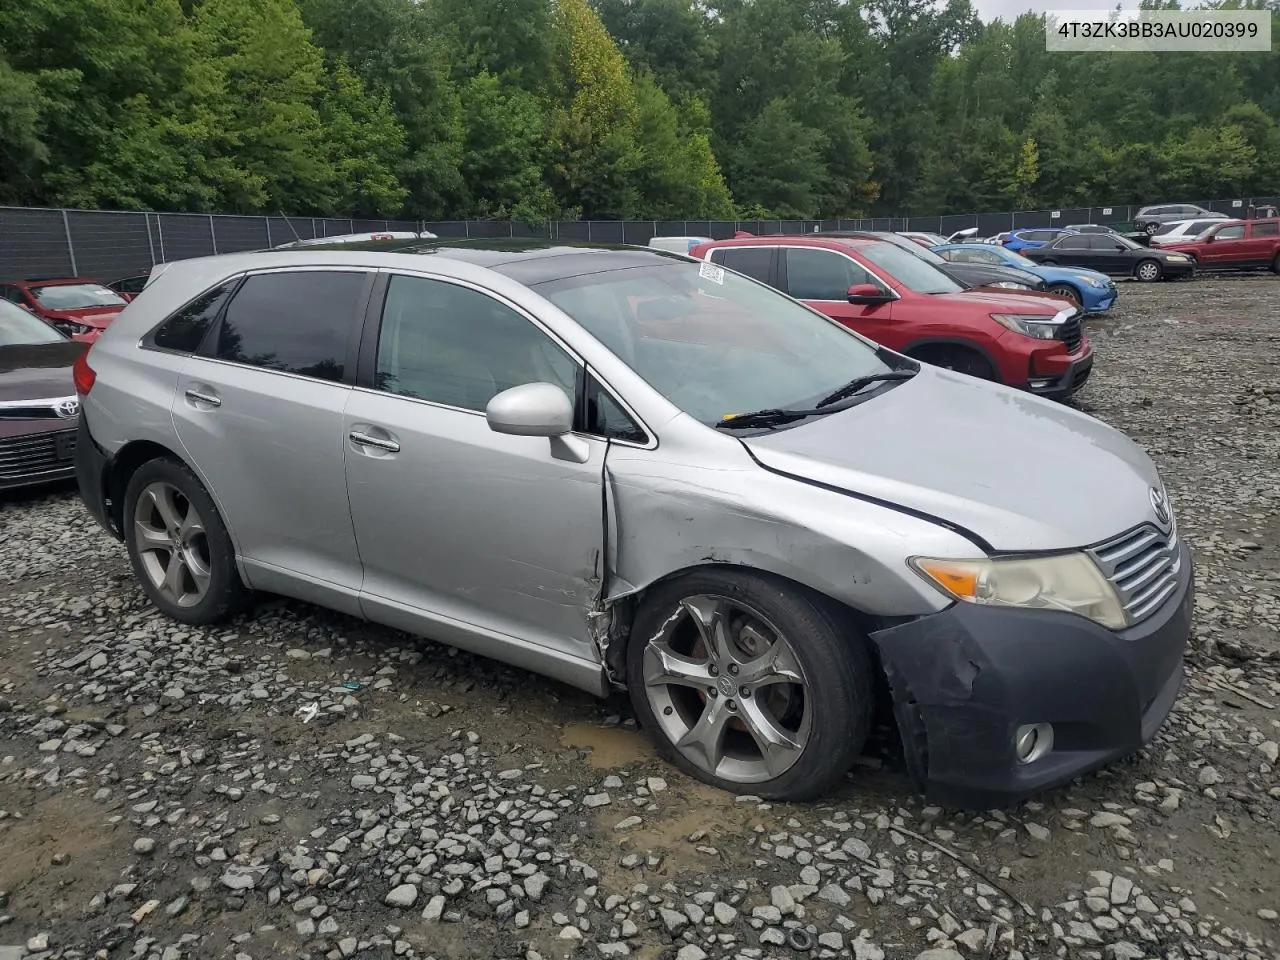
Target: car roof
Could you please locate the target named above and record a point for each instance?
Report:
(834, 240)
(52, 281)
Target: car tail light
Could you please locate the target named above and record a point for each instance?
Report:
(83, 374)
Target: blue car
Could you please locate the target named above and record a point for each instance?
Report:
(1033, 237)
(1094, 292)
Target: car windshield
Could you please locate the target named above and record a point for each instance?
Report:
(909, 269)
(1127, 243)
(19, 328)
(713, 342)
(76, 296)
(1168, 228)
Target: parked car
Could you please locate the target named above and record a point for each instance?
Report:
(1091, 228)
(677, 244)
(894, 297)
(374, 237)
(1181, 231)
(1235, 245)
(968, 275)
(80, 308)
(39, 409)
(744, 514)
(1149, 219)
(1020, 240)
(924, 238)
(1114, 256)
(130, 287)
(1094, 292)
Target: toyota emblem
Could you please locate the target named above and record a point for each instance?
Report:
(1160, 504)
(66, 409)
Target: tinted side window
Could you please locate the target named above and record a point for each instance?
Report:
(1101, 242)
(454, 345)
(606, 418)
(1231, 233)
(1074, 242)
(294, 322)
(12, 294)
(822, 275)
(753, 262)
(1266, 229)
(185, 330)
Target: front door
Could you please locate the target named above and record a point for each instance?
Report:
(487, 540)
(822, 278)
(259, 412)
(1228, 249)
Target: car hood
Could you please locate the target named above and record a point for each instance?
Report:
(1003, 301)
(94, 317)
(38, 371)
(1052, 273)
(1020, 472)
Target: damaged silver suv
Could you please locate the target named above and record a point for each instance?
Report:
(626, 469)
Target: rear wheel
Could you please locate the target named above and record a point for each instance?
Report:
(750, 684)
(1148, 271)
(1275, 264)
(1150, 229)
(178, 545)
(960, 359)
(1065, 290)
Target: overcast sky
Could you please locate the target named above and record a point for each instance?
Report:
(1009, 9)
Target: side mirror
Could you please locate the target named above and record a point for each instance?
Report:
(868, 293)
(1121, 247)
(531, 410)
(1210, 238)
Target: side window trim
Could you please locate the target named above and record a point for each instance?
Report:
(209, 345)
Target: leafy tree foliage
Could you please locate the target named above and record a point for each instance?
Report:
(663, 109)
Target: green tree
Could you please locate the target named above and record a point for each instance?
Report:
(365, 143)
(504, 156)
(777, 165)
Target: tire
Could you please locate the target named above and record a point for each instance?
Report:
(1148, 271)
(1066, 290)
(1150, 229)
(960, 359)
(164, 504)
(1048, 263)
(1275, 264)
(793, 744)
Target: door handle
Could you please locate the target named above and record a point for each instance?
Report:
(195, 396)
(364, 440)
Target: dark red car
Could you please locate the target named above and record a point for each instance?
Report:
(897, 299)
(39, 408)
(80, 308)
(1235, 245)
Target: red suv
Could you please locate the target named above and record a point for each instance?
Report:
(79, 308)
(1235, 245)
(895, 298)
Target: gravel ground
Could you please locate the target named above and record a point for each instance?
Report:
(161, 795)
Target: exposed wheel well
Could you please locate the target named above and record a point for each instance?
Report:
(931, 351)
(123, 466)
(624, 613)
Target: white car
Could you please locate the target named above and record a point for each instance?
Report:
(357, 238)
(677, 244)
(1181, 231)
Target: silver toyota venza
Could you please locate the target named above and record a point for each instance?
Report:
(626, 469)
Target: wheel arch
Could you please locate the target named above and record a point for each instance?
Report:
(951, 343)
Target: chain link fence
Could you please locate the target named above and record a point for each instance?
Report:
(46, 242)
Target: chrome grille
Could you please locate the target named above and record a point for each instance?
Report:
(1071, 333)
(1143, 566)
(36, 453)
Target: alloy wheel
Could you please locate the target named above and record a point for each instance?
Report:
(172, 544)
(1148, 271)
(728, 690)
(1066, 291)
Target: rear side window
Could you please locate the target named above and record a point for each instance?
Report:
(753, 262)
(185, 330)
(294, 322)
(1271, 229)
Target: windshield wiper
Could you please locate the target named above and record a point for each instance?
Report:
(853, 386)
(766, 418)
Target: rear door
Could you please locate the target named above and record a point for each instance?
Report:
(1262, 239)
(1072, 250)
(759, 263)
(822, 278)
(259, 409)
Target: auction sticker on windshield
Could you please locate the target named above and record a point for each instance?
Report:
(709, 271)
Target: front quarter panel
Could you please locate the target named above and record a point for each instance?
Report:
(681, 506)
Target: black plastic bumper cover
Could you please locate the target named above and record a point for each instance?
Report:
(91, 473)
(964, 679)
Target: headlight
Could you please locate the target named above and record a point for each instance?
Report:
(1038, 326)
(1095, 282)
(1176, 256)
(1009, 285)
(70, 327)
(1066, 581)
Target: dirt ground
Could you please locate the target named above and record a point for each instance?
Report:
(161, 797)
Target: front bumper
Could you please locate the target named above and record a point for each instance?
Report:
(1177, 269)
(1097, 301)
(1060, 386)
(965, 679)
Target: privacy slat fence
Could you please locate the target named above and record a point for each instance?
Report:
(41, 241)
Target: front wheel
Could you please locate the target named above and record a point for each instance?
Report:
(1150, 229)
(749, 684)
(1065, 290)
(1275, 264)
(1148, 271)
(960, 359)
